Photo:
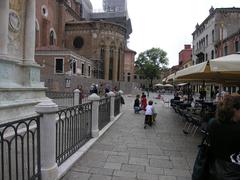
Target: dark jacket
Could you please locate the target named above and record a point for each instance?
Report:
(136, 103)
(224, 139)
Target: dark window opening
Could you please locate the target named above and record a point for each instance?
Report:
(51, 38)
(89, 70)
(78, 42)
(225, 50)
(82, 69)
(74, 67)
(59, 66)
(237, 46)
(212, 54)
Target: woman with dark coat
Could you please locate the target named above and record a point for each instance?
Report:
(224, 138)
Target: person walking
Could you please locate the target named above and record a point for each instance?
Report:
(149, 114)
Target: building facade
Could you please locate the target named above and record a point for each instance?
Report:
(220, 24)
(129, 65)
(71, 40)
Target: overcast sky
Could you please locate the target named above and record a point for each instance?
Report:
(167, 24)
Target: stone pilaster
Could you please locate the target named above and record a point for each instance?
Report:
(30, 32)
(115, 65)
(4, 19)
(106, 63)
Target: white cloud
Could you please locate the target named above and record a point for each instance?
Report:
(167, 24)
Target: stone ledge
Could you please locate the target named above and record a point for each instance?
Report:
(66, 166)
(21, 103)
(23, 89)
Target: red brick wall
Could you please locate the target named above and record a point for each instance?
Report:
(185, 54)
(56, 19)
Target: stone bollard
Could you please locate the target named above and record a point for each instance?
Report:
(49, 168)
(112, 95)
(95, 113)
(76, 97)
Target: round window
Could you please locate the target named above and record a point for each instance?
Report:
(78, 42)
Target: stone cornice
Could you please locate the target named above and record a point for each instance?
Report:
(61, 53)
(96, 26)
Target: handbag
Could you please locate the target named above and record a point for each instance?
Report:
(201, 165)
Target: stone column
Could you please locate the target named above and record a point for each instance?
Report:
(112, 95)
(122, 65)
(95, 113)
(106, 63)
(4, 19)
(115, 65)
(49, 168)
(30, 32)
(76, 97)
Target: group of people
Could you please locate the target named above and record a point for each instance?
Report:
(99, 89)
(147, 107)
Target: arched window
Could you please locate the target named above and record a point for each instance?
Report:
(52, 38)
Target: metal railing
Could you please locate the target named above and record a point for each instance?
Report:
(62, 99)
(20, 149)
(117, 104)
(104, 112)
(73, 130)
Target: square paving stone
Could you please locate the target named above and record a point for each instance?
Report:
(146, 176)
(117, 159)
(100, 177)
(122, 178)
(125, 174)
(177, 172)
(110, 165)
(159, 163)
(154, 170)
(133, 168)
(139, 161)
(101, 171)
(76, 176)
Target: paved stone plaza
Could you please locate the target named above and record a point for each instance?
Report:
(127, 151)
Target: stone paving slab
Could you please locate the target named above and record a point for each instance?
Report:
(127, 151)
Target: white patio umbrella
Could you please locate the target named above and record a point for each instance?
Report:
(159, 85)
(222, 70)
(168, 85)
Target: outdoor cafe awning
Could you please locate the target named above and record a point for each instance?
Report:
(221, 70)
(171, 77)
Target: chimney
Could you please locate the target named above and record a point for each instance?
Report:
(187, 46)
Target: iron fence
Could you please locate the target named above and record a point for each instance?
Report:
(104, 112)
(73, 129)
(20, 150)
(62, 99)
(117, 104)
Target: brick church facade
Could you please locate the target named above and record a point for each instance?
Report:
(69, 44)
